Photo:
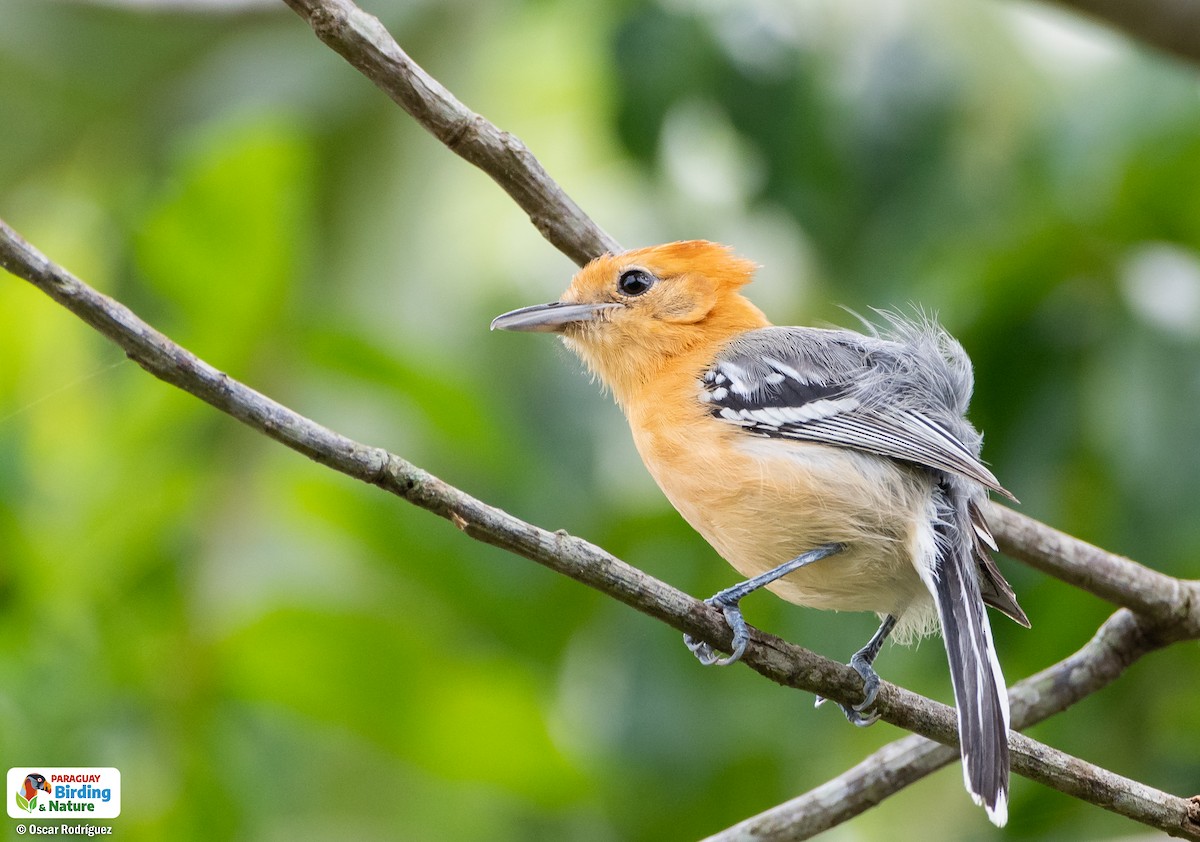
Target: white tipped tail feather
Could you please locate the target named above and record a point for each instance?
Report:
(980, 695)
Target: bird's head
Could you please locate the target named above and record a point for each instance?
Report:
(627, 315)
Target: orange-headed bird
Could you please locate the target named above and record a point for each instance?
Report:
(835, 468)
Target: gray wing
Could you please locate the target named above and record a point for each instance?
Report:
(993, 587)
(903, 396)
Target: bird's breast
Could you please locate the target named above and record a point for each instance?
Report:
(762, 501)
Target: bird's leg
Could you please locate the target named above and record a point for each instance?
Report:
(861, 663)
(728, 599)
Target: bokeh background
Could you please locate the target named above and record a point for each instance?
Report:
(270, 651)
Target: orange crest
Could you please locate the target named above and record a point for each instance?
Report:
(701, 257)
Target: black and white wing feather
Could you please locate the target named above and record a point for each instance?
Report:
(901, 397)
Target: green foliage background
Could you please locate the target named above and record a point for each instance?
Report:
(270, 651)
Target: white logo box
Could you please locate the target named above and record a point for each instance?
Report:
(64, 793)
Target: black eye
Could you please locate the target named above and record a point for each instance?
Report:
(635, 282)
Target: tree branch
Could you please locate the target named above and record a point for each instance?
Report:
(1118, 643)
(776, 659)
(1170, 25)
(563, 553)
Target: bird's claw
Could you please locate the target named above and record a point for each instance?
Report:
(855, 713)
(704, 652)
(856, 717)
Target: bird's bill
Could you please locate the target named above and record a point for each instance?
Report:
(550, 318)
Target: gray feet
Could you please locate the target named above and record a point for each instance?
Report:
(728, 599)
(861, 663)
(705, 654)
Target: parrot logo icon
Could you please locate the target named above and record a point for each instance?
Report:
(27, 794)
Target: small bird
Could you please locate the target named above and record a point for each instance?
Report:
(835, 468)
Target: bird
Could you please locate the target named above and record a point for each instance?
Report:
(834, 467)
(33, 784)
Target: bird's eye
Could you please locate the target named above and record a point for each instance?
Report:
(635, 282)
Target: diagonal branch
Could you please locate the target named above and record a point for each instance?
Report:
(561, 552)
(776, 659)
(1170, 25)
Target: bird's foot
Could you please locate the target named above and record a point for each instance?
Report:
(855, 714)
(704, 652)
(861, 663)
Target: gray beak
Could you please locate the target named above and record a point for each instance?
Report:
(550, 318)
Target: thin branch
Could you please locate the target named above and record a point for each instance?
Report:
(1085, 781)
(776, 659)
(1118, 643)
(868, 784)
(1170, 25)
(563, 553)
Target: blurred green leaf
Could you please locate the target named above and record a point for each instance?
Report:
(224, 241)
(436, 712)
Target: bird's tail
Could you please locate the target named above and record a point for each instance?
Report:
(979, 690)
